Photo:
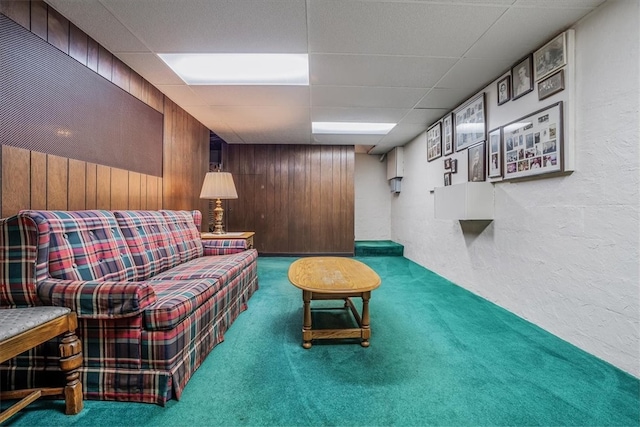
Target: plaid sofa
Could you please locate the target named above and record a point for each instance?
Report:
(152, 298)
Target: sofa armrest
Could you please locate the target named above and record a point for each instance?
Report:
(97, 299)
(223, 246)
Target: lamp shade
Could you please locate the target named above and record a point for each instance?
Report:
(218, 185)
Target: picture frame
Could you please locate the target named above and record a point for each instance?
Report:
(551, 85)
(447, 134)
(434, 142)
(522, 81)
(454, 165)
(476, 163)
(470, 123)
(494, 153)
(550, 57)
(447, 179)
(534, 144)
(504, 89)
(447, 163)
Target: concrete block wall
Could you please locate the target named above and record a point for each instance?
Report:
(562, 252)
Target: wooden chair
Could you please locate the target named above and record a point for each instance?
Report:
(21, 329)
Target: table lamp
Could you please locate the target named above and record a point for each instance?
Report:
(218, 185)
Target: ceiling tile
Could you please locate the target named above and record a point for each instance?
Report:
(472, 74)
(443, 98)
(377, 70)
(287, 96)
(247, 26)
(181, 95)
(346, 139)
(411, 28)
(534, 26)
(424, 116)
(580, 4)
(382, 115)
(374, 97)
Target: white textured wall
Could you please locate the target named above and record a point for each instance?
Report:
(372, 199)
(561, 252)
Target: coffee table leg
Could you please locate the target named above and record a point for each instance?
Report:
(366, 331)
(306, 325)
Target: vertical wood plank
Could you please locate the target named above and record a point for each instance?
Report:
(38, 180)
(160, 201)
(103, 187)
(77, 184)
(39, 18)
(135, 85)
(58, 30)
(15, 180)
(121, 74)
(152, 192)
(93, 52)
(143, 191)
(57, 182)
(78, 44)
(156, 98)
(18, 10)
(134, 191)
(91, 200)
(105, 63)
(119, 189)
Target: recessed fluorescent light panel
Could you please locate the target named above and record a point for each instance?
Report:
(352, 128)
(239, 68)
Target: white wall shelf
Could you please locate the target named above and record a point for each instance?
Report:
(466, 201)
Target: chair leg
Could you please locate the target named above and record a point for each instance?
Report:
(70, 362)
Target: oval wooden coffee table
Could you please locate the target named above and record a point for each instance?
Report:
(334, 278)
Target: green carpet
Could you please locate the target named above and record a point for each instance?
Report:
(378, 248)
(439, 356)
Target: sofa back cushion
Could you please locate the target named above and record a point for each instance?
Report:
(150, 242)
(18, 250)
(183, 229)
(81, 245)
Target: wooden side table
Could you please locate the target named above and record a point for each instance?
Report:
(243, 235)
(22, 329)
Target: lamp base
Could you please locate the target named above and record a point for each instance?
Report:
(218, 212)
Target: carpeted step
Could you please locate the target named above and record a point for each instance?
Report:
(378, 248)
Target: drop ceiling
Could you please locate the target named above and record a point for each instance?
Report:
(407, 62)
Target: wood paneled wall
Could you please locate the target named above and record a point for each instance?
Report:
(185, 161)
(299, 199)
(34, 180)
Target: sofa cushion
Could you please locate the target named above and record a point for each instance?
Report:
(223, 267)
(152, 247)
(177, 299)
(81, 245)
(185, 233)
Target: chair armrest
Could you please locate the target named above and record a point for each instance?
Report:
(97, 299)
(223, 246)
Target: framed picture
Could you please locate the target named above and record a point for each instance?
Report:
(447, 163)
(454, 165)
(470, 123)
(504, 90)
(447, 178)
(550, 57)
(476, 163)
(522, 82)
(533, 144)
(434, 142)
(495, 150)
(447, 133)
(551, 85)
